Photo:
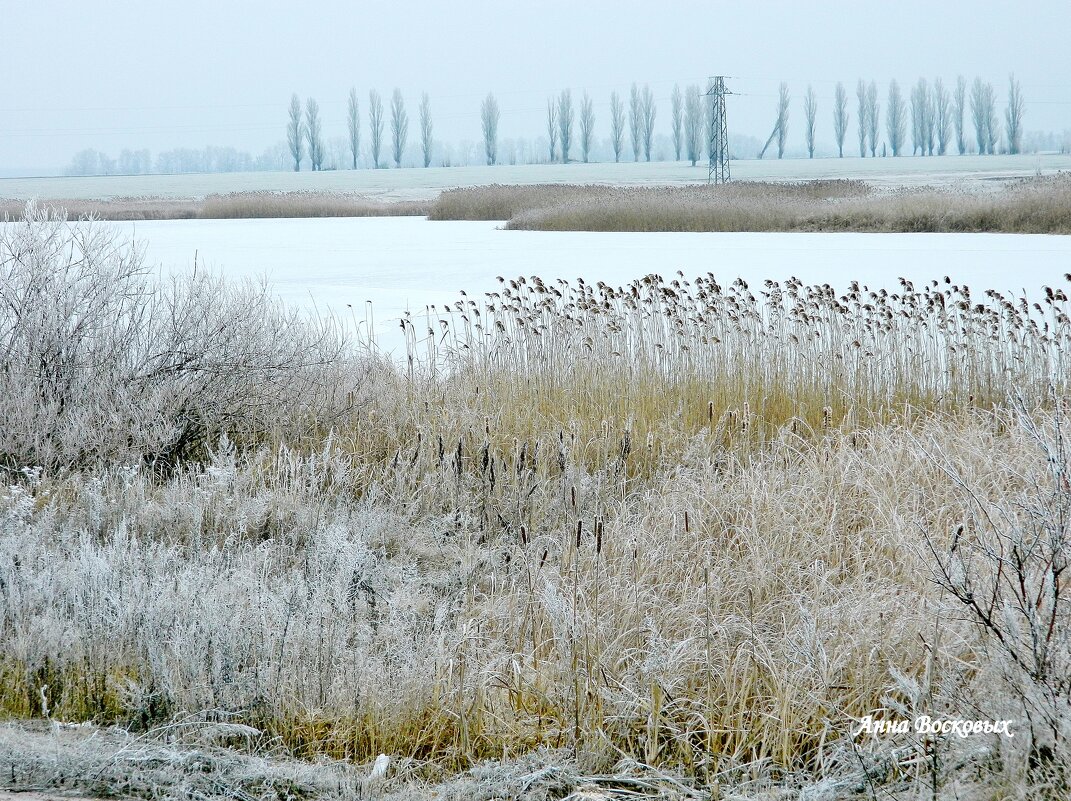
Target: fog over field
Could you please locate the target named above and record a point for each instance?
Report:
(203, 73)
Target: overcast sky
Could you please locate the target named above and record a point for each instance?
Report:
(116, 74)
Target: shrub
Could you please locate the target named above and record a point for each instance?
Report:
(103, 362)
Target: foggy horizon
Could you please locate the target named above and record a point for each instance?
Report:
(129, 76)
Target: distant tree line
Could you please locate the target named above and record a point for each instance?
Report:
(937, 118)
(933, 118)
(178, 160)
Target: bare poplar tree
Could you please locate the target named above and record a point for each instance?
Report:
(353, 126)
(565, 123)
(810, 111)
(617, 124)
(375, 125)
(840, 117)
(399, 126)
(314, 134)
(872, 117)
(647, 107)
(860, 94)
(942, 115)
(489, 118)
(676, 108)
(295, 133)
(959, 107)
(587, 125)
(1013, 116)
(552, 124)
(920, 112)
(895, 118)
(634, 121)
(992, 124)
(783, 99)
(983, 115)
(425, 128)
(929, 119)
(693, 125)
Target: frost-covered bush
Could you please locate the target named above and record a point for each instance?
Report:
(100, 361)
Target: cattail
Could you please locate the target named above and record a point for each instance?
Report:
(598, 535)
(579, 531)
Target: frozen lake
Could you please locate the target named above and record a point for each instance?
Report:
(400, 263)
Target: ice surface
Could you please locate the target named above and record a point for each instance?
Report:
(401, 263)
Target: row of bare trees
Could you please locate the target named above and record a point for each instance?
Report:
(639, 117)
(304, 134)
(937, 117)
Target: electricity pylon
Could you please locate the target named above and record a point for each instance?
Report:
(719, 132)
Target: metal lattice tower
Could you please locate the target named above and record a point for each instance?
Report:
(719, 132)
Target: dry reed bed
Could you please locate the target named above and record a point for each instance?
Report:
(1032, 206)
(234, 205)
(677, 523)
(630, 373)
(735, 611)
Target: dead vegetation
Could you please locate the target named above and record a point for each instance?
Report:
(1041, 206)
(231, 206)
(671, 540)
(1037, 205)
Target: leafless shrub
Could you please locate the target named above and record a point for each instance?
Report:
(1006, 565)
(100, 363)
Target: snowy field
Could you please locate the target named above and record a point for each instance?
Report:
(400, 263)
(419, 184)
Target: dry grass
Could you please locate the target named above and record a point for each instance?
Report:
(1041, 205)
(1033, 206)
(235, 205)
(675, 529)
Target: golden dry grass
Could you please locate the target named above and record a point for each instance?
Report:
(678, 523)
(234, 205)
(1031, 206)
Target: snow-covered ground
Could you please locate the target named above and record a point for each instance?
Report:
(400, 263)
(416, 184)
